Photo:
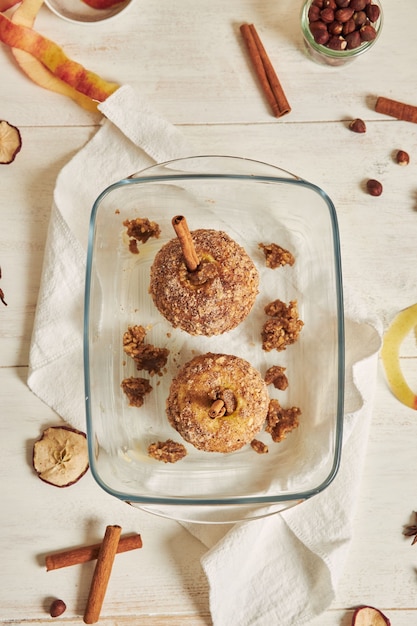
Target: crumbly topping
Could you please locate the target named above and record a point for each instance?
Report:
(279, 421)
(136, 389)
(283, 327)
(276, 256)
(140, 230)
(146, 356)
(275, 375)
(259, 446)
(215, 298)
(168, 451)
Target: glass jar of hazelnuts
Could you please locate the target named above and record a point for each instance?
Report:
(337, 31)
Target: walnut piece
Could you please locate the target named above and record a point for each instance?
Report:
(136, 389)
(146, 356)
(259, 446)
(279, 421)
(275, 256)
(283, 327)
(140, 229)
(168, 451)
(275, 376)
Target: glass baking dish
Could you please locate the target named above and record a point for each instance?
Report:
(253, 203)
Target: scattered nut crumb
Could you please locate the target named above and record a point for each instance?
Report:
(136, 389)
(374, 187)
(275, 376)
(168, 451)
(146, 356)
(259, 446)
(402, 157)
(283, 327)
(140, 229)
(279, 421)
(357, 126)
(57, 608)
(276, 256)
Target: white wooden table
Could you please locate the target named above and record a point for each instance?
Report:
(188, 59)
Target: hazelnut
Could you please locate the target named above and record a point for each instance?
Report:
(343, 15)
(327, 15)
(372, 12)
(374, 187)
(353, 40)
(367, 32)
(402, 158)
(357, 126)
(358, 5)
(57, 608)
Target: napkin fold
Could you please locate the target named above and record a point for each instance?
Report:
(282, 569)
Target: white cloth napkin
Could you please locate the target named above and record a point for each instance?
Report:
(282, 569)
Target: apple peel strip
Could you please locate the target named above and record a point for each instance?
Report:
(401, 326)
(46, 63)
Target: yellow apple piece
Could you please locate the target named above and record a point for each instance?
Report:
(402, 324)
(25, 15)
(55, 60)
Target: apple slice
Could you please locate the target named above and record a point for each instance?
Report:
(10, 142)
(60, 456)
(369, 616)
(25, 15)
(402, 324)
(55, 59)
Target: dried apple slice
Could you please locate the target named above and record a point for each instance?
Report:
(25, 15)
(60, 456)
(402, 324)
(10, 142)
(369, 616)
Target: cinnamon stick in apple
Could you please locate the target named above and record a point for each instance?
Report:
(101, 575)
(265, 71)
(404, 112)
(75, 556)
(187, 245)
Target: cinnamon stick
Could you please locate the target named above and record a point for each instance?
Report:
(187, 245)
(265, 71)
(101, 574)
(404, 112)
(75, 556)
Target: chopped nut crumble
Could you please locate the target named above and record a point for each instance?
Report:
(283, 327)
(279, 421)
(168, 451)
(146, 356)
(259, 446)
(140, 229)
(136, 389)
(276, 256)
(275, 376)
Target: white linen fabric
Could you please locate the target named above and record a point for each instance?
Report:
(282, 569)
